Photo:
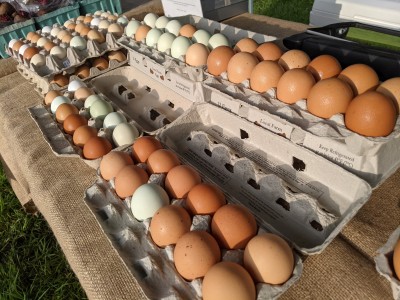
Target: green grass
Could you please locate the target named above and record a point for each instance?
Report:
(373, 38)
(292, 10)
(32, 265)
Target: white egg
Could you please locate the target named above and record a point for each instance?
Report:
(46, 29)
(57, 102)
(98, 13)
(150, 19)
(11, 43)
(78, 42)
(59, 52)
(91, 99)
(105, 14)
(125, 134)
(22, 49)
(201, 36)
(104, 24)
(131, 28)
(165, 41)
(38, 60)
(55, 31)
(42, 41)
(95, 21)
(217, 40)
(173, 27)
(147, 199)
(122, 20)
(162, 22)
(74, 85)
(113, 119)
(152, 37)
(179, 46)
(100, 109)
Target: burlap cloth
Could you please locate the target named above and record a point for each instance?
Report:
(345, 270)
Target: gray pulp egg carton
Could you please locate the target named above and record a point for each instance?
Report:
(384, 265)
(60, 142)
(291, 190)
(147, 101)
(153, 267)
(163, 65)
(373, 159)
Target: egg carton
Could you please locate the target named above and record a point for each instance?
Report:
(153, 267)
(384, 263)
(147, 101)
(371, 158)
(160, 64)
(60, 142)
(291, 190)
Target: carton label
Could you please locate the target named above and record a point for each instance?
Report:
(182, 85)
(66, 63)
(156, 70)
(225, 103)
(269, 123)
(332, 150)
(136, 59)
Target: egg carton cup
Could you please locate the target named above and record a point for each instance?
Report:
(60, 142)
(384, 263)
(292, 191)
(372, 158)
(147, 101)
(153, 266)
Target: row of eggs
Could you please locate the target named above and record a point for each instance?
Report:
(197, 252)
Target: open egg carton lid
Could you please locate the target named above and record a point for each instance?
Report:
(152, 266)
(62, 143)
(150, 58)
(371, 158)
(291, 190)
(151, 103)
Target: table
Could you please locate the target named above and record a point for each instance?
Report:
(55, 186)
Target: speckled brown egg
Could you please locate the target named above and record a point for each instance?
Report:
(100, 63)
(187, 30)
(82, 134)
(324, 66)
(268, 51)
(196, 55)
(64, 110)
(240, 67)
(218, 59)
(295, 84)
(51, 95)
(143, 147)
(371, 114)
(113, 162)
(294, 59)
(391, 89)
(246, 45)
(205, 199)
(60, 79)
(265, 75)
(82, 71)
(96, 147)
(141, 32)
(128, 179)
(180, 180)
(360, 77)
(73, 122)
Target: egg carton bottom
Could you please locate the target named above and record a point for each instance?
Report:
(369, 158)
(291, 190)
(147, 101)
(384, 265)
(152, 266)
(61, 143)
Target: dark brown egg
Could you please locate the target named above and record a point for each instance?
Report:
(218, 59)
(96, 147)
(64, 110)
(73, 122)
(82, 134)
(60, 79)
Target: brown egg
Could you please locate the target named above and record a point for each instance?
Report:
(71, 26)
(143, 147)
(162, 160)
(96, 35)
(17, 45)
(114, 162)
(30, 52)
(128, 179)
(240, 66)
(60, 79)
(195, 253)
(64, 110)
(35, 38)
(218, 59)
(80, 19)
(100, 63)
(30, 35)
(82, 134)
(265, 75)
(324, 66)
(51, 95)
(246, 45)
(329, 97)
(205, 199)
(268, 51)
(96, 147)
(116, 29)
(168, 224)
(294, 59)
(371, 114)
(187, 30)
(87, 19)
(61, 34)
(66, 38)
(112, 18)
(141, 32)
(233, 226)
(82, 71)
(84, 31)
(294, 85)
(180, 180)
(269, 259)
(396, 259)
(197, 54)
(391, 89)
(228, 280)
(73, 122)
(79, 27)
(119, 56)
(360, 77)
(82, 93)
(48, 46)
